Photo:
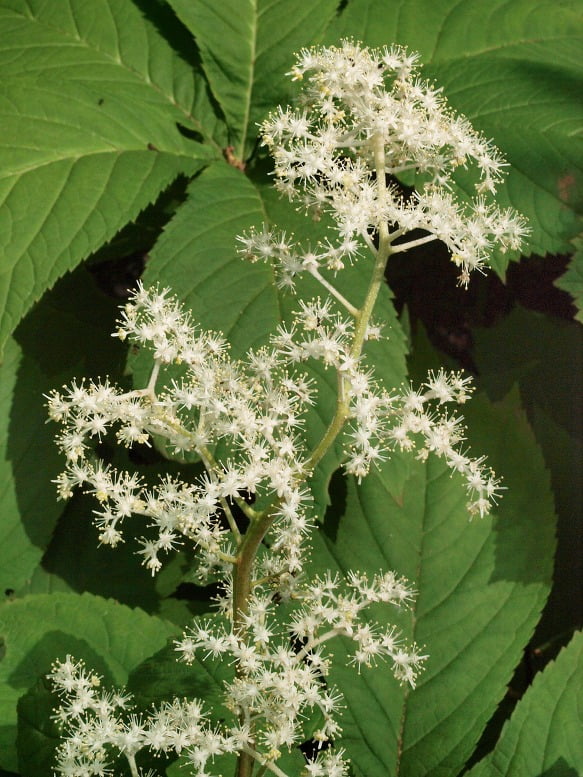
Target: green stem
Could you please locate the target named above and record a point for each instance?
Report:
(362, 318)
(210, 466)
(242, 586)
(131, 759)
(242, 581)
(245, 764)
(260, 523)
(267, 765)
(333, 429)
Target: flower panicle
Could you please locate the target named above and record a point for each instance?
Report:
(364, 118)
(355, 98)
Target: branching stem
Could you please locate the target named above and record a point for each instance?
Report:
(333, 291)
(242, 582)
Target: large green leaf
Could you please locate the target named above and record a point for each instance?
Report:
(89, 113)
(543, 737)
(66, 335)
(130, 51)
(514, 69)
(246, 46)
(110, 637)
(451, 31)
(481, 586)
(543, 355)
(197, 257)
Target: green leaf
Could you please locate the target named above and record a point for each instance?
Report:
(543, 355)
(543, 736)
(74, 321)
(514, 69)
(38, 735)
(533, 113)
(481, 586)
(246, 47)
(75, 537)
(24, 530)
(572, 280)
(197, 257)
(123, 50)
(111, 638)
(452, 32)
(89, 113)
(163, 677)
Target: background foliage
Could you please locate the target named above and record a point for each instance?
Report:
(125, 128)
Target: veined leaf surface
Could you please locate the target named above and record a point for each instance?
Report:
(89, 112)
(543, 736)
(246, 46)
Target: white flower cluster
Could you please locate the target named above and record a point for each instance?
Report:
(279, 684)
(255, 407)
(422, 427)
(101, 727)
(379, 420)
(368, 114)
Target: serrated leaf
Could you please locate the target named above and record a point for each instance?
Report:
(89, 112)
(246, 46)
(197, 256)
(121, 49)
(543, 736)
(572, 280)
(481, 586)
(514, 69)
(36, 630)
(64, 336)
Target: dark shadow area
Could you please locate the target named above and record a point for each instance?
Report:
(337, 508)
(161, 15)
(65, 335)
(560, 769)
(189, 133)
